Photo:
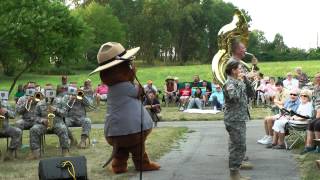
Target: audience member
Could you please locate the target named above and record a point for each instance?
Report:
(206, 85)
(150, 87)
(176, 80)
(290, 82)
(301, 77)
(217, 98)
(281, 97)
(170, 90)
(196, 81)
(184, 93)
(19, 93)
(270, 90)
(196, 99)
(88, 90)
(152, 105)
(304, 109)
(101, 93)
(313, 131)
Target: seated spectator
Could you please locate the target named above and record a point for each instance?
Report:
(152, 105)
(88, 90)
(313, 131)
(150, 87)
(196, 81)
(176, 80)
(217, 98)
(290, 82)
(196, 99)
(279, 102)
(301, 77)
(304, 109)
(101, 93)
(270, 90)
(170, 90)
(206, 85)
(19, 93)
(184, 93)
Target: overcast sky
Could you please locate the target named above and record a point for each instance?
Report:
(297, 20)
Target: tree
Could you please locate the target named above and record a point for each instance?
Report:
(104, 27)
(40, 31)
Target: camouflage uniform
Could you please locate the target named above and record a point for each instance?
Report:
(28, 117)
(235, 117)
(316, 97)
(77, 115)
(59, 128)
(13, 132)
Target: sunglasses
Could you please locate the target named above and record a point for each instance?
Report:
(304, 95)
(293, 94)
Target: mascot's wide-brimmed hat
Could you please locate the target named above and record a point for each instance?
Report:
(111, 54)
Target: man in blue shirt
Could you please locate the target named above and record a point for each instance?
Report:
(217, 98)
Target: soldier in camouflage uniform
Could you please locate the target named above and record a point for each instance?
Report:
(77, 116)
(28, 115)
(15, 133)
(40, 128)
(235, 116)
(316, 95)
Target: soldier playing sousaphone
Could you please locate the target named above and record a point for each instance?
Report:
(49, 117)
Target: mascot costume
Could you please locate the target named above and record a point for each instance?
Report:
(127, 122)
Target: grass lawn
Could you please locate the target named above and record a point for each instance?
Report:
(172, 114)
(160, 141)
(159, 73)
(308, 168)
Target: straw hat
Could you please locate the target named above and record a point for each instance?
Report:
(111, 54)
(169, 78)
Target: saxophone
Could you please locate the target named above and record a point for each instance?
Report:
(50, 116)
(237, 29)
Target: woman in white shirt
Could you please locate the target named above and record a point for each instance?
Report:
(305, 109)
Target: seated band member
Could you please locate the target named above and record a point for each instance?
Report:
(76, 104)
(49, 117)
(26, 106)
(304, 109)
(7, 113)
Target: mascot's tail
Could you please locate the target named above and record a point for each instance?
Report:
(114, 151)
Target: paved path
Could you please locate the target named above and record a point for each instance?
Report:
(203, 155)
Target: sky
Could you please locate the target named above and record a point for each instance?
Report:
(298, 21)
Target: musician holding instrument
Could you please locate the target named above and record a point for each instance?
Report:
(26, 106)
(49, 117)
(77, 104)
(6, 113)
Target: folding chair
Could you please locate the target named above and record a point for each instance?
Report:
(2, 136)
(296, 133)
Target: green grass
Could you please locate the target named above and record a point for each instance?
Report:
(160, 141)
(172, 114)
(159, 73)
(308, 168)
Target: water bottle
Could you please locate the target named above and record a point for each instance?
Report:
(214, 108)
(94, 142)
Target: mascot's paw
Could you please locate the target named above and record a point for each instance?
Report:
(119, 170)
(151, 166)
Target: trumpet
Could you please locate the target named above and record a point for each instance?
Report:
(80, 95)
(2, 119)
(37, 97)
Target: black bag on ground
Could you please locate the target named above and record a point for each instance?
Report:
(57, 168)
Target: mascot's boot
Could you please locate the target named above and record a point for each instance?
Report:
(35, 154)
(119, 162)
(9, 155)
(83, 142)
(65, 152)
(147, 165)
(245, 165)
(235, 175)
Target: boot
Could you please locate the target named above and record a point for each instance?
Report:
(147, 165)
(83, 142)
(65, 152)
(235, 175)
(9, 155)
(245, 165)
(35, 154)
(73, 141)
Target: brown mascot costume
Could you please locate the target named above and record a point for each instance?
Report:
(125, 111)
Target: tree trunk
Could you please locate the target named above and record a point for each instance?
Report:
(19, 75)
